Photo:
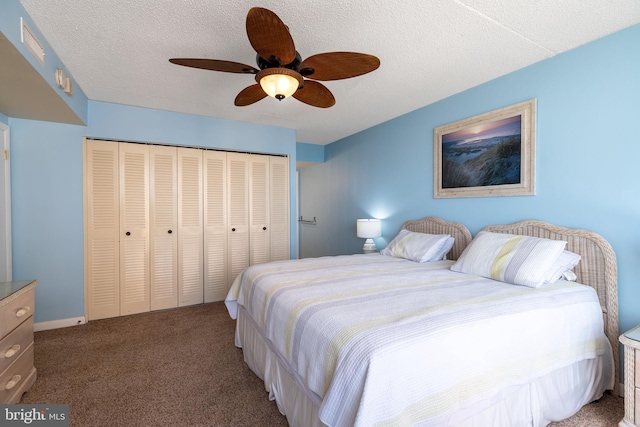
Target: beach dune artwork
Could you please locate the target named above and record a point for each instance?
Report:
(483, 155)
(488, 155)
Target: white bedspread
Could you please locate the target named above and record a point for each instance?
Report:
(385, 341)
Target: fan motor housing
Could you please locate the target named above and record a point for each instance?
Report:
(276, 63)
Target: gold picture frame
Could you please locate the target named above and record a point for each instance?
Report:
(491, 154)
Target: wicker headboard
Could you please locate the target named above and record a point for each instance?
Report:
(597, 268)
(433, 225)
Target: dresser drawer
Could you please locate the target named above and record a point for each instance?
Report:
(16, 376)
(14, 344)
(16, 312)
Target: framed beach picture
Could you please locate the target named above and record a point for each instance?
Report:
(492, 154)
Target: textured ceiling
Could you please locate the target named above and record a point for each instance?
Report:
(118, 51)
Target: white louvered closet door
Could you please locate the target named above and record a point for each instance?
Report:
(102, 224)
(190, 227)
(134, 228)
(238, 214)
(259, 228)
(279, 208)
(163, 227)
(169, 226)
(216, 283)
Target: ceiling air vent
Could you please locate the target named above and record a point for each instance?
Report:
(31, 42)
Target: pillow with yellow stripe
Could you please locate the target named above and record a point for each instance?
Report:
(420, 247)
(519, 260)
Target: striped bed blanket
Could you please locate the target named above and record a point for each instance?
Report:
(385, 341)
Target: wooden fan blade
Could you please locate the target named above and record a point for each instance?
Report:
(249, 95)
(315, 94)
(269, 36)
(338, 65)
(215, 65)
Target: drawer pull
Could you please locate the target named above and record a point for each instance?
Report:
(24, 310)
(12, 382)
(12, 351)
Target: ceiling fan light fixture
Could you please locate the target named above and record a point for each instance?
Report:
(281, 71)
(279, 83)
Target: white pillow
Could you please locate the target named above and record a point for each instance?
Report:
(420, 247)
(519, 260)
(565, 262)
(444, 250)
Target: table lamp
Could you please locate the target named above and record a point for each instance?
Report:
(369, 229)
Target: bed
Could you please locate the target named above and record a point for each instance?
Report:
(411, 343)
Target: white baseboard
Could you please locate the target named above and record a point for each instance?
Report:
(62, 323)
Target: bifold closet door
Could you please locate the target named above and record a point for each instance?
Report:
(259, 227)
(216, 283)
(163, 229)
(102, 225)
(134, 228)
(279, 208)
(190, 227)
(238, 214)
(174, 226)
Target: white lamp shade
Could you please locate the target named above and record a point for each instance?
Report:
(369, 228)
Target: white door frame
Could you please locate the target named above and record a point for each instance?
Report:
(5, 206)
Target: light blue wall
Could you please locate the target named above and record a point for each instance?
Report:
(10, 13)
(310, 152)
(4, 119)
(46, 214)
(113, 121)
(588, 146)
(46, 177)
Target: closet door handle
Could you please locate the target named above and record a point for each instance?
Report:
(169, 231)
(264, 228)
(128, 233)
(233, 229)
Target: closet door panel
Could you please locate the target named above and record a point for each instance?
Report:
(216, 284)
(279, 208)
(134, 228)
(190, 227)
(163, 228)
(238, 211)
(102, 244)
(259, 227)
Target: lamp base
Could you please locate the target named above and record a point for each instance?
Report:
(369, 247)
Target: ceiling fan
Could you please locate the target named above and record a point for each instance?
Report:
(282, 72)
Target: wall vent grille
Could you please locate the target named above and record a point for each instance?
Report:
(31, 42)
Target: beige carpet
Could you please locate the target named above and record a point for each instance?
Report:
(175, 368)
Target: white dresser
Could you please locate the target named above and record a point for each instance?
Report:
(17, 372)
